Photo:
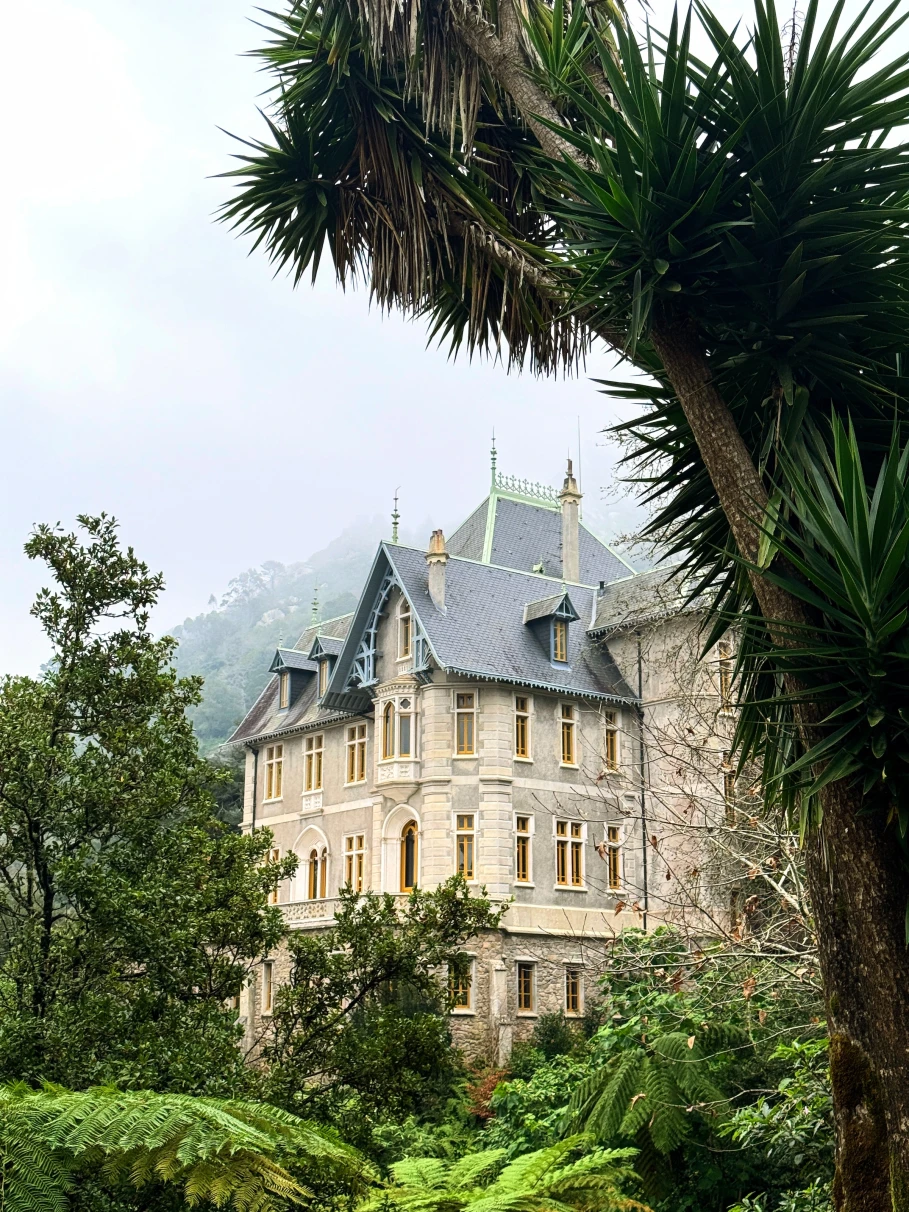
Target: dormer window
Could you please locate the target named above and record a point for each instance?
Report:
(324, 671)
(549, 620)
(284, 691)
(560, 641)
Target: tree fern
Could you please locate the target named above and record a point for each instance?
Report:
(228, 1153)
(562, 1178)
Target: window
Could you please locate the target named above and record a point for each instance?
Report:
(388, 731)
(522, 850)
(274, 772)
(614, 856)
(409, 857)
(465, 840)
(729, 788)
(284, 692)
(405, 729)
(405, 631)
(570, 853)
(356, 754)
(569, 725)
(460, 984)
(313, 747)
(273, 856)
(725, 676)
(560, 641)
(521, 726)
(268, 987)
(354, 861)
(465, 728)
(233, 1003)
(318, 874)
(525, 988)
(324, 670)
(572, 991)
(610, 741)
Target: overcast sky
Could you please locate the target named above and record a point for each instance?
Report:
(151, 369)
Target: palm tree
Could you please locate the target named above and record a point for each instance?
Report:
(548, 1180)
(228, 1152)
(536, 176)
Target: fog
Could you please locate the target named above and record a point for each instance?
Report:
(150, 368)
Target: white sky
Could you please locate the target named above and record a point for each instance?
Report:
(151, 369)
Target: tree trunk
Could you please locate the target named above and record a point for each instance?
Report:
(857, 883)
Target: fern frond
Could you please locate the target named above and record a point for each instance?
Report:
(668, 1124)
(476, 1169)
(618, 1088)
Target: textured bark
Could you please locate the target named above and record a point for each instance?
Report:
(858, 887)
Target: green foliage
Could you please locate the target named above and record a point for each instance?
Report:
(359, 1031)
(529, 1112)
(130, 914)
(563, 1176)
(793, 1127)
(228, 1153)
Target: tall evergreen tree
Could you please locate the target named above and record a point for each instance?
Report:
(129, 914)
(536, 176)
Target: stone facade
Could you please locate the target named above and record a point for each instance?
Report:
(433, 694)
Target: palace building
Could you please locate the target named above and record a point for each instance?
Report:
(486, 710)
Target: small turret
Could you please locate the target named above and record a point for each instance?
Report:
(570, 500)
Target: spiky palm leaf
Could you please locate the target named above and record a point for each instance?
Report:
(227, 1152)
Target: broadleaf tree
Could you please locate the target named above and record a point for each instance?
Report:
(535, 177)
(129, 914)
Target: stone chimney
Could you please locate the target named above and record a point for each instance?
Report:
(570, 500)
(436, 559)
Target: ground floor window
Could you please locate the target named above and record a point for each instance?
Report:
(460, 984)
(526, 991)
(572, 991)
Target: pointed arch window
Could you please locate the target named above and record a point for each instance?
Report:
(409, 854)
(388, 731)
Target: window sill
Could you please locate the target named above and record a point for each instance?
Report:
(463, 1013)
(358, 783)
(569, 766)
(464, 757)
(524, 884)
(568, 888)
(526, 761)
(279, 800)
(527, 1014)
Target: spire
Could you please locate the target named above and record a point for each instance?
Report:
(570, 500)
(492, 458)
(314, 617)
(395, 518)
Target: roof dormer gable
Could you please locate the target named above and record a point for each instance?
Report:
(293, 668)
(549, 619)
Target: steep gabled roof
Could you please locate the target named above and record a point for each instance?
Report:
(481, 634)
(264, 717)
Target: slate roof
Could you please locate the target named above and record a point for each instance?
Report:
(328, 644)
(289, 658)
(482, 632)
(638, 599)
(545, 608)
(265, 719)
(525, 534)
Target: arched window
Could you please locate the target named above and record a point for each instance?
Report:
(409, 856)
(313, 875)
(323, 873)
(388, 731)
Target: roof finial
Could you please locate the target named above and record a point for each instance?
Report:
(492, 458)
(395, 518)
(314, 617)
